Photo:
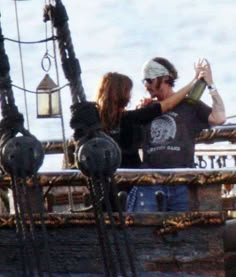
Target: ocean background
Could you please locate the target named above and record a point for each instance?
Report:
(112, 35)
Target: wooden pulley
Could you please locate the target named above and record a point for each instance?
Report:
(22, 156)
(98, 155)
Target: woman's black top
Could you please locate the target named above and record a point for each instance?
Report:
(129, 134)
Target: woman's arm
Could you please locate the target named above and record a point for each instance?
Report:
(170, 102)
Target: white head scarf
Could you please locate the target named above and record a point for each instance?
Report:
(152, 70)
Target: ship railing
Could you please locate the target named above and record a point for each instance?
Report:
(215, 155)
(205, 185)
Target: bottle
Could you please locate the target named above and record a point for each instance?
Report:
(197, 91)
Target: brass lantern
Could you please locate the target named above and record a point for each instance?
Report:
(48, 104)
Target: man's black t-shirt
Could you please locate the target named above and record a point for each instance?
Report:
(170, 138)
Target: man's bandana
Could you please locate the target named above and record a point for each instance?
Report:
(152, 70)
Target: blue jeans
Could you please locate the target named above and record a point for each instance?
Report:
(172, 198)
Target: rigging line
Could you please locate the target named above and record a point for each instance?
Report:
(19, 230)
(31, 228)
(22, 67)
(49, 92)
(40, 200)
(46, 42)
(109, 261)
(123, 228)
(20, 211)
(65, 146)
(114, 230)
(31, 42)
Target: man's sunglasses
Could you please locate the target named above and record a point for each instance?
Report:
(147, 81)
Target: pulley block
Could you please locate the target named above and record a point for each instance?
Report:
(22, 156)
(98, 155)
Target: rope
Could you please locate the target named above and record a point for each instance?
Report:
(70, 64)
(53, 38)
(25, 239)
(49, 92)
(26, 233)
(22, 66)
(19, 229)
(110, 265)
(65, 147)
(40, 200)
(114, 256)
(32, 233)
(123, 228)
(117, 242)
(6, 92)
(19, 167)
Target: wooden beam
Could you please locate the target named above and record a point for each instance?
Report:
(130, 177)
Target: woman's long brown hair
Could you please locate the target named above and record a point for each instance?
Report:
(113, 95)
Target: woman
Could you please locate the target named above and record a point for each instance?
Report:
(124, 126)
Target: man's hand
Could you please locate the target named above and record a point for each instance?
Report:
(203, 70)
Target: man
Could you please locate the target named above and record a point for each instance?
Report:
(170, 138)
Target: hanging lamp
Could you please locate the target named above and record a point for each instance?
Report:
(47, 96)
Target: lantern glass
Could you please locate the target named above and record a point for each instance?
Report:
(48, 104)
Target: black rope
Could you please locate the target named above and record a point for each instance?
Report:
(26, 232)
(114, 231)
(31, 229)
(20, 157)
(40, 205)
(19, 229)
(123, 227)
(71, 67)
(114, 254)
(84, 119)
(46, 92)
(25, 239)
(40, 209)
(23, 207)
(31, 42)
(110, 261)
(110, 265)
